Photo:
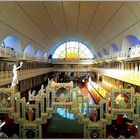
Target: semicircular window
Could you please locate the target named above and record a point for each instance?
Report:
(72, 50)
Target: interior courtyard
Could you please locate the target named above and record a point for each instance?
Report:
(69, 69)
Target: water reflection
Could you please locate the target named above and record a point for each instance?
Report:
(63, 112)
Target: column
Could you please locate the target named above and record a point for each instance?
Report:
(42, 104)
(82, 105)
(127, 69)
(131, 70)
(85, 130)
(101, 110)
(136, 71)
(12, 99)
(45, 104)
(78, 74)
(107, 106)
(66, 73)
(139, 71)
(37, 110)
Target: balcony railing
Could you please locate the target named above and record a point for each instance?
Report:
(135, 51)
(120, 55)
(6, 76)
(7, 52)
(75, 61)
(129, 76)
(74, 69)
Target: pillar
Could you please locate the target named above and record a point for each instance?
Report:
(78, 74)
(139, 71)
(85, 130)
(37, 110)
(136, 71)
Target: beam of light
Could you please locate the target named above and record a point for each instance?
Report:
(87, 94)
(1, 125)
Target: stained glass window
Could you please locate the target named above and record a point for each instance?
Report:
(72, 50)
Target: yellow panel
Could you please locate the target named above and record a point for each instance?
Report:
(135, 7)
(125, 19)
(104, 13)
(41, 18)
(88, 6)
(15, 17)
(55, 10)
(87, 10)
(71, 12)
(2, 6)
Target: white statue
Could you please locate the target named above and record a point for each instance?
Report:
(33, 93)
(42, 89)
(15, 80)
(50, 81)
(31, 96)
(89, 79)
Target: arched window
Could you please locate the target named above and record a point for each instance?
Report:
(99, 54)
(29, 50)
(72, 50)
(105, 52)
(114, 47)
(130, 41)
(133, 40)
(39, 54)
(14, 43)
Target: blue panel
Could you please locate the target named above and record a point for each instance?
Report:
(99, 54)
(105, 52)
(29, 50)
(133, 40)
(13, 42)
(115, 48)
(39, 54)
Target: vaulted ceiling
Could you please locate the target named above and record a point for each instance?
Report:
(47, 23)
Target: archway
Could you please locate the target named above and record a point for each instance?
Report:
(14, 43)
(130, 41)
(39, 54)
(105, 52)
(29, 51)
(114, 47)
(99, 54)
